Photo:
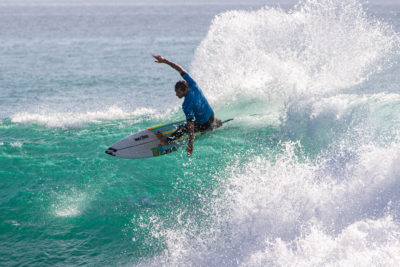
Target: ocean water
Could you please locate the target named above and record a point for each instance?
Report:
(307, 174)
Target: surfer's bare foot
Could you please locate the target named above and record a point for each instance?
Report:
(162, 138)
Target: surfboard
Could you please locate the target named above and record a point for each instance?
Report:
(145, 144)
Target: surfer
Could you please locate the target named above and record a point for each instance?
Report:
(199, 114)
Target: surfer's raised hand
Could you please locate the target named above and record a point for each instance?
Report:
(159, 59)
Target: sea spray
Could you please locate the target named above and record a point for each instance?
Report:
(331, 181)
(275, 211)
(317, 47)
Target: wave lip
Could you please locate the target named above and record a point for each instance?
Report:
(315, 48)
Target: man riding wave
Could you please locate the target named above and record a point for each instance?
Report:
(199, 114)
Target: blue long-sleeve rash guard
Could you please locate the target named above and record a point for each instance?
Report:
(195, 104)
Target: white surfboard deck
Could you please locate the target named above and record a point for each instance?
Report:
(145, 144)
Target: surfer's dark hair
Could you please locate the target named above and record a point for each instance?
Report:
(181, 85)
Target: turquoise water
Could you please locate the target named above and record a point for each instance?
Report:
(306, 174)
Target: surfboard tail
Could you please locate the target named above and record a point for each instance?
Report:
(225, 121)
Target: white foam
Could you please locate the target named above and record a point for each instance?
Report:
(321, 122)
(16, 144)
(315, 48)
(284, 210)
(363, 243)
(70, 204)
(290, 211)
(342, 103)
(75, 119)
(69, 211)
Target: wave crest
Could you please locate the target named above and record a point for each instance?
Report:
(317, 47)
(76, 119)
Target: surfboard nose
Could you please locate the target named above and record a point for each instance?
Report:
(111, 151)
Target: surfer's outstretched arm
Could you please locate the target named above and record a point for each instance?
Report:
(160, 59)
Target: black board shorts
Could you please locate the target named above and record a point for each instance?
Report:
(183, 129)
